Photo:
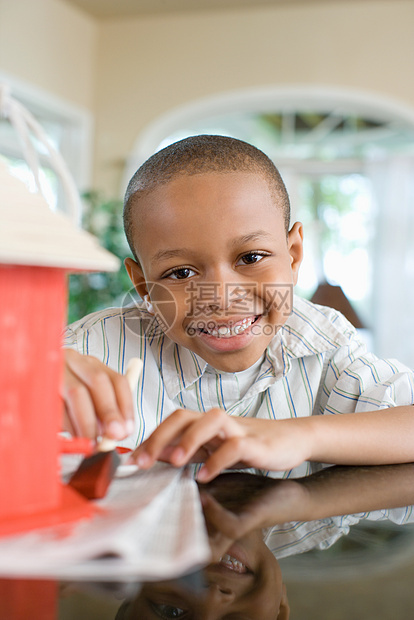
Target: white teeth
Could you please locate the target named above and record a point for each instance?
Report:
(229, 562)
(226, 331)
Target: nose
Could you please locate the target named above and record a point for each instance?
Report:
(221, 290)
(219, 593)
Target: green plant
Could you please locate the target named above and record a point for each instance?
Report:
(93, 291)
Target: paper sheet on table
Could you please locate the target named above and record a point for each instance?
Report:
(152, 527)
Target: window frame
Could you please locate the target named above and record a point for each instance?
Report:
(75, 122)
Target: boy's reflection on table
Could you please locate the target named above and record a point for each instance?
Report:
(252, 588)
(244, 581)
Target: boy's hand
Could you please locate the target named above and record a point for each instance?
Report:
(222, 441)
(98, 400)
(236, 504)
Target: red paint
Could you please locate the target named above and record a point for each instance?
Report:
(76, 445)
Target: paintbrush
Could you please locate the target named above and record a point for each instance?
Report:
(95, 473)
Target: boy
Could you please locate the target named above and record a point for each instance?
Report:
(237, 372)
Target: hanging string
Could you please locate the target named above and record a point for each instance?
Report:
(25, 126)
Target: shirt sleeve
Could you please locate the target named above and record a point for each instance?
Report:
(70, 340)
(357, 381)
(90, 335)
(81, 337)
(74, 337)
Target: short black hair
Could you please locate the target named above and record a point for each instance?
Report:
(198, 155)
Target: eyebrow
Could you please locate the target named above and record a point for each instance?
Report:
(253, 236)
(166, 254)
(172, 253)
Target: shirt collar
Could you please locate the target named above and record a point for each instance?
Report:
(309, 330)
(312, 329)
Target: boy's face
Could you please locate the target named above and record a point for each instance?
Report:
(216, 264)
(251, 590)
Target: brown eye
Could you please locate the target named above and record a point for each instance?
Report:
(182, 273)
(251, 258)
(168, 611)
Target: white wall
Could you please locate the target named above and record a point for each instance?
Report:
(148, 65)
(51, 46)
(127, 72)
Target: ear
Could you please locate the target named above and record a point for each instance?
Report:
(284, 609)
(295, 246)
(136, 276)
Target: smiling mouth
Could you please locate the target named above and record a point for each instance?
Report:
(232, 564)
(228, 330)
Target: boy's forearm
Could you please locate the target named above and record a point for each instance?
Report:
(348, 490)
(222, 441)
(369, 438)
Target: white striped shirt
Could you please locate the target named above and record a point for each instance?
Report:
(315, 365)
(300, 536)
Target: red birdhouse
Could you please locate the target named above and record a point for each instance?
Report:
(37, 249)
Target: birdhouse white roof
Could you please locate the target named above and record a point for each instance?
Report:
(32, 234)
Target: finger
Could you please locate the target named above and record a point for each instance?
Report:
(94, 402)
(214, 427)
(68, 426)
(217, 517)
(252, 516)
(233, 450)
(109, 394)
(200, 456)
(119, 419)
(164, 438)
(124, 395)
(80, 411)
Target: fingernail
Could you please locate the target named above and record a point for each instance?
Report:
(177, 455)
(202, 474)
(130, 426)
(116, 430)
(142, 459)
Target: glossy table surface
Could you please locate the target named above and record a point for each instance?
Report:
(338, 544)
